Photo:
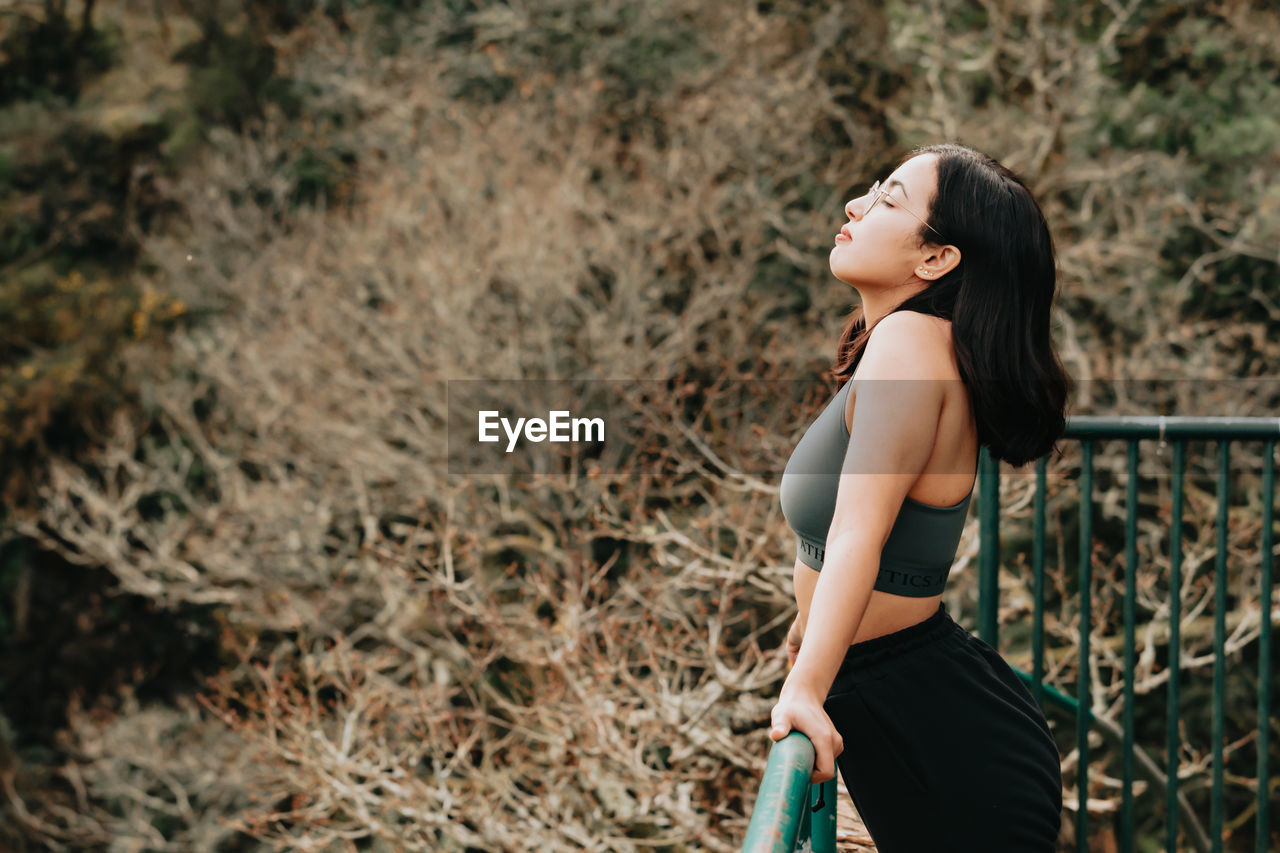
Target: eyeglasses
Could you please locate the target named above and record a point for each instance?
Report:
(878, 193)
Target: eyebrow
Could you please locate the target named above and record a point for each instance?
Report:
(899, 183)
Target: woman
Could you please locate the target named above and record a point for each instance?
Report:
(940, 744)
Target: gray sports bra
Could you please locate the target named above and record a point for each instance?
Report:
(916, 558)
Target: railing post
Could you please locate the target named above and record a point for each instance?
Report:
(1264, 653)
(1083, 698)
(988, 546)
(1219, 643)
(1172, 735)
(1037, 592)
(818, 825)
(1130, 627)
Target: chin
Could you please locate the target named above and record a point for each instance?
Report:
(840, 271)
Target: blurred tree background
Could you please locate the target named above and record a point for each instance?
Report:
(244, 245)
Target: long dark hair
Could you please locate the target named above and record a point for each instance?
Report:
(997, 299)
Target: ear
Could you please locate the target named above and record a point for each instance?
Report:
(942, 260)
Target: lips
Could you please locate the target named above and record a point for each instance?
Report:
(844, 233)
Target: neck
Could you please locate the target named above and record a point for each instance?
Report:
(877, 302)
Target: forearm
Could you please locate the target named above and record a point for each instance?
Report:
(839, 601)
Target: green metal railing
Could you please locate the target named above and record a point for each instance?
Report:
(780, 819)
(790, 810)
(1177, 431)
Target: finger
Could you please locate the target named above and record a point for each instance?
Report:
(822, 766)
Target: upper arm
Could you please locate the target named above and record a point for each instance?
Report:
(899, 393)
(803, 579)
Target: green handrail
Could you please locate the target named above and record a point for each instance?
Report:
(783, 817)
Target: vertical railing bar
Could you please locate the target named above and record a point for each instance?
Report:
(821, 824)
(1082, 683)
(1130, 594)
(805, 833)
(1219, 645)
(1264, 653)
(1037, 569)
(1172, 736)
(989, 547)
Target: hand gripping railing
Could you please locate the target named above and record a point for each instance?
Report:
(791, 813)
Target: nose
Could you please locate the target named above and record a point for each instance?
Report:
(856, 207)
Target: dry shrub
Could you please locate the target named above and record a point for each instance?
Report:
(447, 662)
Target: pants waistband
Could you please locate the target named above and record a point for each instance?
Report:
(937, 628)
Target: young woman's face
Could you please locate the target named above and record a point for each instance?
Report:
(880, 247)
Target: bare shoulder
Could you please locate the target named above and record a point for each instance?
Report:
(915, 325)
(908, 343)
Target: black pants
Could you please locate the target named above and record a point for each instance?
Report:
(945, 750)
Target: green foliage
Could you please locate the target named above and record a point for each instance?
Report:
(322, 175)
(1204, 88)
(1230, 283)
(232, 78)
(86, 639)
(71, 208)
(48, 56)
(6, 172)
(58, 370)
(66, 233)
(630, 54)
(1197, 84)
(82, 177)
(13, 557)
